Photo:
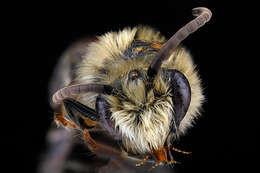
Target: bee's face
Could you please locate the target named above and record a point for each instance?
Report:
(135, 85)
(138, 85)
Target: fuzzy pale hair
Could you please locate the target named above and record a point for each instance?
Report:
(104, 63)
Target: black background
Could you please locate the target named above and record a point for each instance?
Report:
(223, 139)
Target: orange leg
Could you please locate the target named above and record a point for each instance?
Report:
(143, 161)
(177, 150)
(163, 155)
(155, 165)
(90, 141)
(104, 151)
(59, 118)
(159, 155)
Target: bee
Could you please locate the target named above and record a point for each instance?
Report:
(140, 88)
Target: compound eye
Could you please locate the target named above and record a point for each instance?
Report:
(134, 74)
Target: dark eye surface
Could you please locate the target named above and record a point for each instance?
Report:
(134, 74)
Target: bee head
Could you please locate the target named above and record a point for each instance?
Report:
(145, 124)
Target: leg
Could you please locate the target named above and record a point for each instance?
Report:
(143, 161)
(103, 110)
(81, 115)
(59, 118)
(104, 151)
(162, 155)
(92, 144)
(179, 151)
(155, 165)
(82, 109)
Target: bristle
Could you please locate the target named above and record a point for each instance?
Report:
(147, 33)
(145, 129)
(143, 118)
(104, 60)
